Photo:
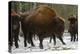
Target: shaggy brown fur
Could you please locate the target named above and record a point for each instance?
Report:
(43, 20)
(73, 28)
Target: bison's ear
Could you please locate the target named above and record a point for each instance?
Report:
(69, 19)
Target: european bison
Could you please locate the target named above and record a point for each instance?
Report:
(60, 30)
(73, 28)
(27, 35)
(43, 22)
(14, 25)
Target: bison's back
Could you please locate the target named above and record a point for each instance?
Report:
(45, 10)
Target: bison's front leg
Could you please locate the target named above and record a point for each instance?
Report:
(74, 37)
(30, 38)
(16, 41)
(40, 44)
(25, 38)
(54, 39)
(10, 42)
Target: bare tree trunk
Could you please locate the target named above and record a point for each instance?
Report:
(35, 4)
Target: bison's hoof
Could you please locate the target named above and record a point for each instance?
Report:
(9, 51)
(64, 43)
(33, 45)
(71, 40)
(25, 45)
(77, 40)
(54, 43)
(17, 46)
(41, 47)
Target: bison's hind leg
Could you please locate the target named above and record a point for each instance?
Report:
(60, 38)
(77, 37)
(71, 38)
(74, 38)
(41, 41)
(50, 39)
(41, 45)
(54, 39)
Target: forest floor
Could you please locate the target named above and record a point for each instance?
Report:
(46, 44)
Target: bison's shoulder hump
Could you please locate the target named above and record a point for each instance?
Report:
(46, 10)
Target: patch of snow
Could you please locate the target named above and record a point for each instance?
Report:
(47, 46)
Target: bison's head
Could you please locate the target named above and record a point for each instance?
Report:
(24, 15)
(15, 16)
(72, 19)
